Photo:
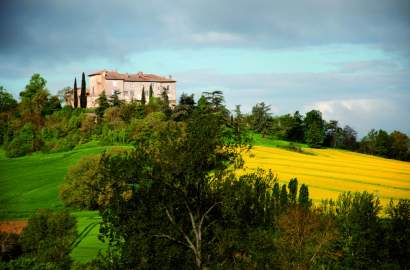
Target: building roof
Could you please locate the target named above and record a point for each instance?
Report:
(140, 77)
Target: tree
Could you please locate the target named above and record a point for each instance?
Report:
(174, 206)
(334, 134)
(82, 189)
(36, 83)
(293, 191)
(103, 104)
(65, 95)
(398, 236)
(143, 101)
(283, 197)
(151, 94)
(349, 138)
(83, 93)
(185, 108)
(307, 237)
(115, 100)
(400, 145)
(382, 144)
(261, 119)
(313, 136)
(49, 235)
(75, 94)
(309, 119)
(7, 102)
(304, 196)
(363, 243)
(214, 98)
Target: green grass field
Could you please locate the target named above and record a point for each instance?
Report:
(31, 182)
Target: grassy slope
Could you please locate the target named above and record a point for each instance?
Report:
(31, 182)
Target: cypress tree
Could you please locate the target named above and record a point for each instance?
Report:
(283, 197)
(143, 101)
(151, 94)
(313, 136)
(83, 94)
(304, 195)
(293, 190)
(75, 94)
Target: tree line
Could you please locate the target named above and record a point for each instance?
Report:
(317, 132)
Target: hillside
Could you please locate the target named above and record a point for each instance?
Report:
(31, 182)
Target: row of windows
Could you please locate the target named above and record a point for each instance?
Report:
(132, 85)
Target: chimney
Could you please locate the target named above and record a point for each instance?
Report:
(142, 72)
(116, 71)
(126, 74)
(170, 77)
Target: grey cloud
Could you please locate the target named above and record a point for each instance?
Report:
(50, 33)
(365, 66)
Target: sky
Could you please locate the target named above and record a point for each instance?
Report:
(349, 59)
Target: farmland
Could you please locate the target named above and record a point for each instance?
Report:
(329, 172)
(31, 182)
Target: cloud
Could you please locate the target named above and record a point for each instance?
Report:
(47, 34)
(365, 114)
(365, 66)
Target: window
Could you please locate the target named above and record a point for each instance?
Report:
(92, 102)
(132, 93)
(142, 85)
(132, 85)
(125, 93)
(113, 91)
(93, 91)
(115, 83)
(152, 84)
(167, 87)
(146, 93)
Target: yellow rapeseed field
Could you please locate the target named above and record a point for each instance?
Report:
(329, 172)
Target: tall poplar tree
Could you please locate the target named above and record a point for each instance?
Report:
(75, 94)
(83, 94)
(143, 101)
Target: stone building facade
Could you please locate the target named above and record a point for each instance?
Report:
(130, 86)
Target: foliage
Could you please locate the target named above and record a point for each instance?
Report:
(7, 102)
(114, 99)
(262, 119)
(171, 203)
(313, 136)
(75, 94)
(83, 181)
(36, 84)
(398, 231)
(314, 116)
(103, 104)
(307, 237)
(184, 109)
(143, 101)
(49, 235)
(83, 92)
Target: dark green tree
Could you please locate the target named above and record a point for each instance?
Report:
(304, 195)
(283, 197)
(7, 102)
(75, 94)
(262, 123)
(151, 95)
(164, 214)
(363, 241)
(309, 119)
(114, 99)
(313, 136)
(49, 235)
(293, 191)
(398, 235)
(103, 104)
(143, 101)
(214, 99)
(83, 93)
(382, 144)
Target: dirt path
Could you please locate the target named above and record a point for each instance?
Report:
(13, 226)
